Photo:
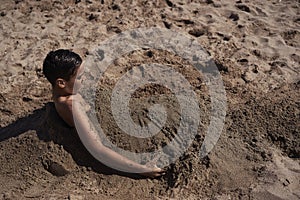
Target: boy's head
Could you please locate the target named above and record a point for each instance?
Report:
(61, 64)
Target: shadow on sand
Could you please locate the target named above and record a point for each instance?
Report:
(50, 127)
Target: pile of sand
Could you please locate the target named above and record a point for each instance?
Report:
(255, 45)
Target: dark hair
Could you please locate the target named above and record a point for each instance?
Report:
(61, 63)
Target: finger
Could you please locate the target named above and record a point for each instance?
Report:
(160, 173)
(157, 170)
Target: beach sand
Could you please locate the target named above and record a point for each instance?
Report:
(256, 46)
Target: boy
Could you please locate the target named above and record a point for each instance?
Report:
(61, 67)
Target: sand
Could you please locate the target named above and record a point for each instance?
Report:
(256, 47)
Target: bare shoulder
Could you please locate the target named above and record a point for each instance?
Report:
(80, 102)
(63, 106)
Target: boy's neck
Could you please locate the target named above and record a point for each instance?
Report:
(58, 92)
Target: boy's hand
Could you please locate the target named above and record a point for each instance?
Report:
(154, 172)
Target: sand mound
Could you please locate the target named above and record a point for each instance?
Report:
(255, 45)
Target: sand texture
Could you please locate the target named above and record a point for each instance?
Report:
(256, 46)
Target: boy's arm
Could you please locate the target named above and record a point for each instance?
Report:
(91, 139)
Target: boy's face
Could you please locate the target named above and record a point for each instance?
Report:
(76, 79)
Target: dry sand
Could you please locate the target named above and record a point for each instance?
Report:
(256, 45)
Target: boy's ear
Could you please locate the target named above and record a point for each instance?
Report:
(61, 83)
